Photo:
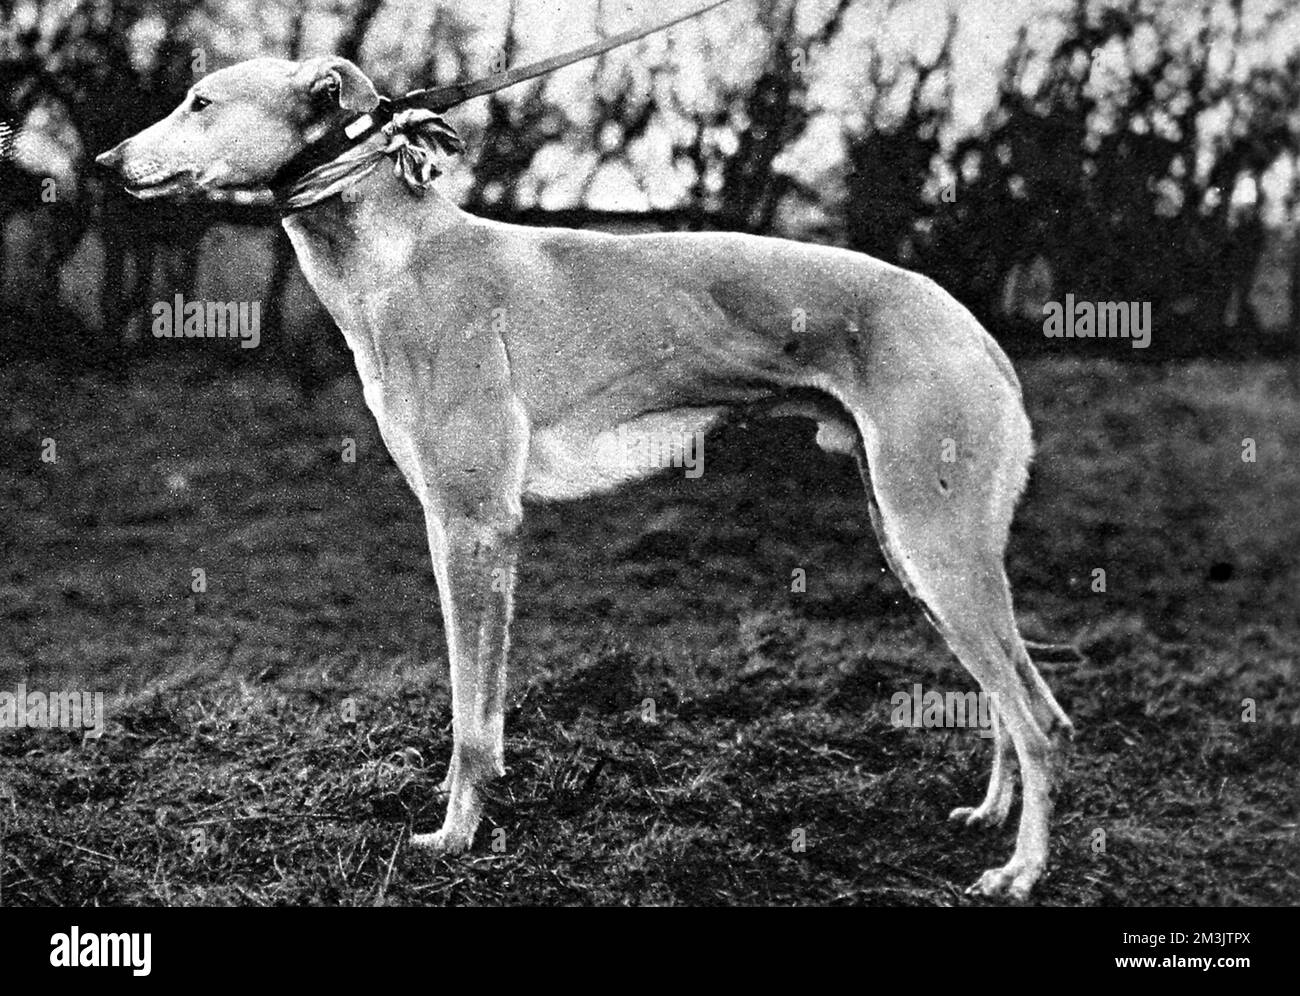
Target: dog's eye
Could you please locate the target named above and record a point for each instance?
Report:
(198, 103)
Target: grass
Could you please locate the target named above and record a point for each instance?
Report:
(231, 774)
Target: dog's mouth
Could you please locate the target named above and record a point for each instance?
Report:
(186, 185)
(149, 189)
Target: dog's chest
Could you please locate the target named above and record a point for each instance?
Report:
(389, 383)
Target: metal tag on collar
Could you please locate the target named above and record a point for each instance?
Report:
(359, 127)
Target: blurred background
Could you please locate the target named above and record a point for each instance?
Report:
(1017, 151)
(1139, 150)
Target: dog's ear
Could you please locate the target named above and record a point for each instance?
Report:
(341, 81)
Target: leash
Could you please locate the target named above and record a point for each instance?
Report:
(444, 98)
(415, 130)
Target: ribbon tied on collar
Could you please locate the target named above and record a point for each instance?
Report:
(415, 139)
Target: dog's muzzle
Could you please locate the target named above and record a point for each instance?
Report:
(112, 159)
(144, 177)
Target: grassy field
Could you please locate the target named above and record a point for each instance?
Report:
(230, 774)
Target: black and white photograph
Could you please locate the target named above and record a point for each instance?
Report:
(588, 453)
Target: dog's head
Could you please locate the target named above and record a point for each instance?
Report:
(238, 127)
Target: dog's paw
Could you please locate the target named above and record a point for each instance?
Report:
(442, 843)
(982, 815)
(1012, 881)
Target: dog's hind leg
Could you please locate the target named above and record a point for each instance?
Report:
(996, 805)
(947, 454)
(993, 811)
(1041, 692)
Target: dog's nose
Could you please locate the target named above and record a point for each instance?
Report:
(110, 159)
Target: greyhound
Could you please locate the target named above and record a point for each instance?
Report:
(505, 363)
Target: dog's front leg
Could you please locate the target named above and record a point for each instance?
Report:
(474, 560)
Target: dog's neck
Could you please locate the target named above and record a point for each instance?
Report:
(376, 203)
